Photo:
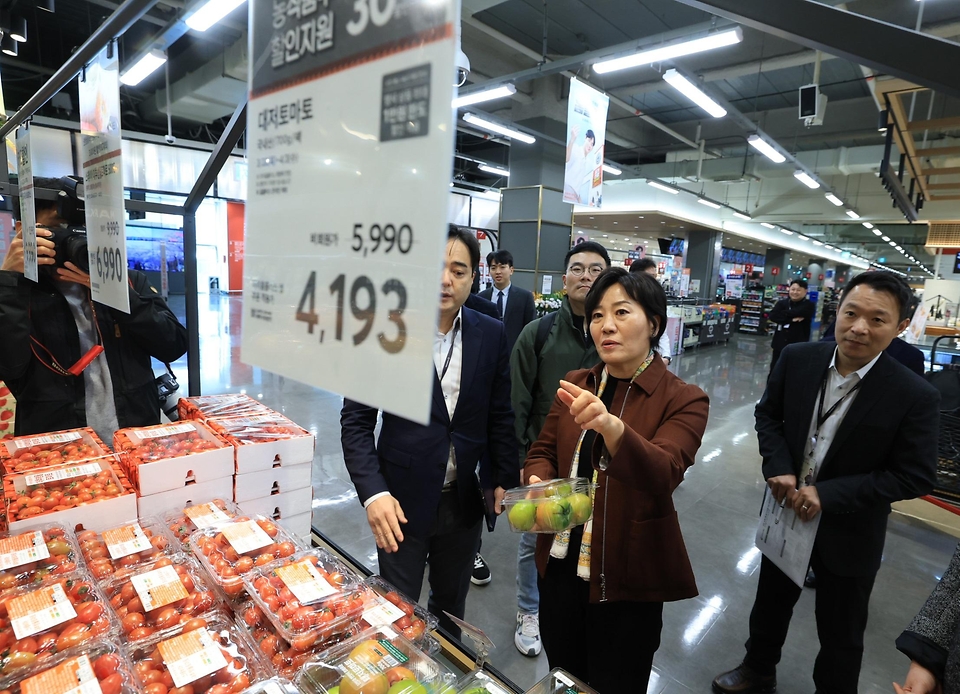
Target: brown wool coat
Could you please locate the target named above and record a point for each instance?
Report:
(665, 419)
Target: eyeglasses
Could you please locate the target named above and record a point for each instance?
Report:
(578, 270)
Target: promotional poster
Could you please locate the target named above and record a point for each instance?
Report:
(586, 131)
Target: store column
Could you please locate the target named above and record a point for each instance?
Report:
(703, 260)
(776, 258)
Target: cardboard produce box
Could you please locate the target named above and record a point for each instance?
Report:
(255, 485)
(265, 442)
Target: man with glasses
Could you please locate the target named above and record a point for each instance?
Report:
(546, 350)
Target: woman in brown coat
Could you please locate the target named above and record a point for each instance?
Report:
(633, 428)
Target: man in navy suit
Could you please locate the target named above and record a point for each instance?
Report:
(515, 304)
(426, 489)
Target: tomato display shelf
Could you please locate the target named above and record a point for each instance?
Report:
(160, 597)
(119, 550)
(184, 522)
(33, 494)
(224, 405)
(27, 453)
(397, 610)
(101, 660)
(32, 556)
(550, 506)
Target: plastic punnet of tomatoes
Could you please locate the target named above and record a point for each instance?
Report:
(265, 441)
(32, 494)
(122, 549)
(38, 621)
(101, 662)
(287, 657)
(308, 593)
(372, 663)
(207, 655)
(394, 608)
(231, 550)
(32, 556)
(159, 596)
(185, 522)
(26, 453)
(223, 405)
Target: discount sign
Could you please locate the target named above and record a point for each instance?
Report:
(103, 181)
(351, 143)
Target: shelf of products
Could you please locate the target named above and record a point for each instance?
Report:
(752, 319)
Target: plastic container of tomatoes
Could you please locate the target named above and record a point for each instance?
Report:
(287, 657)
(310, 593)
(374, 661)
(26, 453)
(265, 441)
(90, 494)
(395, 609)
(119, 550)
(209, 654)
(160, 596)
(30, 557)
(184, 522)
(62, 615)
(168, 456)
(223, 405)
(274, 685)
(232, 550)
(102, 661)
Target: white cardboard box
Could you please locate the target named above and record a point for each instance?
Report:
(171, 474)
(288, 478)
(280, 506)
(298, 525)
(157, 504)
(271, 452)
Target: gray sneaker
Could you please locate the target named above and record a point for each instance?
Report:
(527, 636)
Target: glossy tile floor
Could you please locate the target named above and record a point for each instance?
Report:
(718, 504)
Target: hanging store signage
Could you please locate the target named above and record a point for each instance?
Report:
(586, 132)
(103, 180)
(28, 213)
(351, 137)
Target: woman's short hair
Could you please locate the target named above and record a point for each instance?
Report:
(641, 288)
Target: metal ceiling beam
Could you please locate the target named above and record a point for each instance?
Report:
(947, 171)
(917, 57)
(935, 124)
(932, 152)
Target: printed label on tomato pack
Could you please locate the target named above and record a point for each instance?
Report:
(22, 549)
(246, 536)
(382, 614)
(238, 422)
(160, 432)
(75, 676)
(159, 587)
(191, 656)
(305, 582)
(129, 539)
(205, 515)
(51, 438)
(39, 610)
(64, 473)
(376, 661)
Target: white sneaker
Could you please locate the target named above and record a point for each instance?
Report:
(527, 636)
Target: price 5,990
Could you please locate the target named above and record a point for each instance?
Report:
(108, 264)
(363, 306)
(384, 238)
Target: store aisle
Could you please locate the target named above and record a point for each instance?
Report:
(718, 504)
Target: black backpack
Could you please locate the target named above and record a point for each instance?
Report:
(543, 331)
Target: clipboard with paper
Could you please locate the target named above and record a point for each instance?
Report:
(784, 539)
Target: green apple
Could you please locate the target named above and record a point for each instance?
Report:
(333, 690)
(523, 515)
(554, 514)
(581, 508)
(558, 488)
(407, 687)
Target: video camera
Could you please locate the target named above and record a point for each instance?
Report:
(167, 386)
(70, 239)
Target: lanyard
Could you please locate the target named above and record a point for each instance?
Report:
(453, 342)
(821, 417)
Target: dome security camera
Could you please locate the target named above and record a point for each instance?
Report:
(462, 68)
(170, 139)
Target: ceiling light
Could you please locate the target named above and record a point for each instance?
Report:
(817, 243)
(834, 199)
(496, 170)
(497, 128)
(18, 29)
(868, 225)
(768, 225)
(8, 46)
(892, 243)
(806, 180)
(690, 90)
(885, 238)
(211, 12)
(662, 53)
(613, 170)
(766, 149)
(143, 68)
(852, 215)
(46, 5)
(484, 95)
(877, 232)
(709, 203)
(662, 186)
(741, 215)
(786, 231)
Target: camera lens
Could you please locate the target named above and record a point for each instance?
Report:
(74, 250)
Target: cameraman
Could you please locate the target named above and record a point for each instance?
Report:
(47, 327)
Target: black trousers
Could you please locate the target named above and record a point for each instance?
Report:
(604, 644)
(773, 359)
(841, 611)
(449, 552)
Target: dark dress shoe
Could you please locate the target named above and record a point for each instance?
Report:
(810, 580)
(743, 680)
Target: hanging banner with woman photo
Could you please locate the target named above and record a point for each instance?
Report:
(586, 130)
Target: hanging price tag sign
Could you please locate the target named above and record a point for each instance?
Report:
(28, 213)
(351, 137)
(103, 180)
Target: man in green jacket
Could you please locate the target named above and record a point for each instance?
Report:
(547, 349)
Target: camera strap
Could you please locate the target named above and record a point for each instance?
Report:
(83, 362)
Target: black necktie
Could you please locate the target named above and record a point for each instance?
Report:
(500, 303)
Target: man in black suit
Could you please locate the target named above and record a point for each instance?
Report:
(436, 480)
(515, 304)
(792, 319)
(844, 431)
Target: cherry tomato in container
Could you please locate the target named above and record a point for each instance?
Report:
(55, 489)
(34, 555)
(27, 453)
(139, 445)
(399, 611)
(198, 516)
(256, 428)
(100, 661)
(120, 550)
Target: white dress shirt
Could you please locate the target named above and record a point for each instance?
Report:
(506, 295)
(837, 387)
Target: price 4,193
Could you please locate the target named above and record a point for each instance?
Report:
(363, 306)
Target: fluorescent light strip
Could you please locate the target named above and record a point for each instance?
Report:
(806, 180)
(817, 243)
(143, 68)
(613, 170)
(210, 13)
(766, 149)
(868, 225)
(485, 124)
(892, 243)
(767, 225)
(485, 95)
(689, 90)
(709, 203)
(885, 238)
(834, 199)
(663, 187)
(877, 232)
(741, 215)
(676, 50)
(786, 231)
(494, 170)
(852, 215)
